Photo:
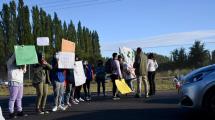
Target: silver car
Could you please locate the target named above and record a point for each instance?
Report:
(198, 89)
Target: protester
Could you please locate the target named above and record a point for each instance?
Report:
(116, 74)
(128, 73)
(58, 79)
(70, 87)
(100, 77)
(41, 81)
(15, 77)
(89, 77)
(77, 94)
(151, 68)
(140, 65)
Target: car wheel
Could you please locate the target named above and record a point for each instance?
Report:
(209, 103)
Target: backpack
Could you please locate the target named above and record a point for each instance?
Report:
(109, 66)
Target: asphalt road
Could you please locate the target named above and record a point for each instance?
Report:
(162, 106)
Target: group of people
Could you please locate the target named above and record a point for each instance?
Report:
(143, 69)
(63, 81)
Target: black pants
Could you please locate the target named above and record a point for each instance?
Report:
(113, 78)
(151, 79)
(78, 92)
(99, 82)
(87, 88)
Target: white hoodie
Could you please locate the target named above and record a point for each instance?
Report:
(14, 73)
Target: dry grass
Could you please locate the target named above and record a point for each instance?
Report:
(162, 83)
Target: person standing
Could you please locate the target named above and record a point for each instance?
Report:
(100, 77)
(151, 68)
(58, 79)
(89, 77)
(41, 81)
(116, 74)
(140, 65)
(15, 77)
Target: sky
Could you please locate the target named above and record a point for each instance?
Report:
(155, 25)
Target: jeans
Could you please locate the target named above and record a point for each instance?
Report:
(58, 89)
(16, 94)
(145, 83)
(99, 82)
(68, 93)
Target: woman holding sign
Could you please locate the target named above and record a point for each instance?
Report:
(15, 77)
(40, 82)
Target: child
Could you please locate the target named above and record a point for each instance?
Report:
(15, 77)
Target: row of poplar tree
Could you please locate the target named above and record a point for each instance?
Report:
(17, 29)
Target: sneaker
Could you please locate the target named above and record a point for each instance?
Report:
(61, 107)
(115, 98)
(39, 111)
(21, 114)
(147, 96)
(45, 111)
(12, 115)
(81, 100)
(73, 102)
(76, 100)
(54, 108)
(68, 104)
(87, 98)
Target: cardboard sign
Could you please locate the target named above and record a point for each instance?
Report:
(66, 60)
(25, 55)
(67, 46)
(79, 74)
(42, 41)
(122, 86)
(128, 55)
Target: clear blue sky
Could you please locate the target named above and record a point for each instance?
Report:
(147, 23)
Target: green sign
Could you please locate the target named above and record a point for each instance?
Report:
(25, 55)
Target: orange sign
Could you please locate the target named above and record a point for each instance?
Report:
(67, 46)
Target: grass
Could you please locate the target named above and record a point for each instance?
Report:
(162, 83)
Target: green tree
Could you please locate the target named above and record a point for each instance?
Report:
(65, 30)
(72, 32)
(198, 55)
(182, 58)
(57, 32)
(36, 23)
(213, 57)
(5, 23)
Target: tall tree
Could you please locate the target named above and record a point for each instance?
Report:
(5, 15)
(12, 27)
(57, 32)
(182, 58)
(213, 57)
(27, 37)
(2, 55)
(65, 29)
(198, 55)
(72, 32)
(36, 23)
(20, 22)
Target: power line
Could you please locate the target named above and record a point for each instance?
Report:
(62, 3)
(87, 4)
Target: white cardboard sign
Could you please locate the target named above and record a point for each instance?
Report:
(79, 74)
(66, 60)
(42, 41)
